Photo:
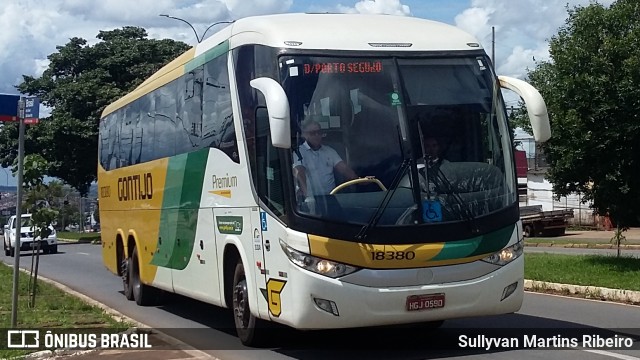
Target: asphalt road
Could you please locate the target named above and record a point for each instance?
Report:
(79, 266)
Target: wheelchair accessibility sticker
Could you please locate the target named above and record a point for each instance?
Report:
(431, 211)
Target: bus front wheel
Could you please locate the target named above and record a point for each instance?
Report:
(247, 325)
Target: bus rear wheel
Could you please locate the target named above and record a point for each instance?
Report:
(125, 267)
(247, 325)
(144, 295)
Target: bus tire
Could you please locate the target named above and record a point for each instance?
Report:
(125, 268)
(143, 294)
(247, 325)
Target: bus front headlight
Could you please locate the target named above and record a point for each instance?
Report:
(318, 265)
(506, 255)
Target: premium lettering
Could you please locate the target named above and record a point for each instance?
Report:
(224, 182)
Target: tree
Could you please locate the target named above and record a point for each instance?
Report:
(592, 90)
(80, 81)
(38, 195)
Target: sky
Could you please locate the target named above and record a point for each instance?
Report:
(30, 30)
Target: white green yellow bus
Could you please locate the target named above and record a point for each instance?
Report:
(198, 195)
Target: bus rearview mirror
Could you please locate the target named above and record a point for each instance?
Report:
(536, 107)
(278, 107)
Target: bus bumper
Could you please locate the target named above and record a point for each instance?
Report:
(359, 306)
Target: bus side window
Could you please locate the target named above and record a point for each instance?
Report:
(218, 130)
(147, 127)
(269, 174)
(189, 110)
(164, 120)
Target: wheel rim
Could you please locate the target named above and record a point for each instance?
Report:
(241, 304)
(135, 277)
(125, 274)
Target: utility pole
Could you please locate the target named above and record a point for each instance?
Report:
(18, 222)
(493, 46)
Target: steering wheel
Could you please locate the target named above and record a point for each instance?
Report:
(364, 180)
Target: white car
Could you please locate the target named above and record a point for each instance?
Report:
(27, 241)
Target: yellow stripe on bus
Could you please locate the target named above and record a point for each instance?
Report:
(130, 211)
(378, 256)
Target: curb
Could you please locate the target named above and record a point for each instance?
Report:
(118, 316)
(589, 292)
(585, 246)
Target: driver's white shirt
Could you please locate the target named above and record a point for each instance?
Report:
(319, 166)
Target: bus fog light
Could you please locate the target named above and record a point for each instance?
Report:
(509, 290)
(327, 305)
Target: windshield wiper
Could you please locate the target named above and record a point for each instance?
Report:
(362, 234)
(468, 216)
(373, 221)
(439, 175)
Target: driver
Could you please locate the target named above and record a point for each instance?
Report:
(315, 167)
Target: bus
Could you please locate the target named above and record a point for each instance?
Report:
(198, 193)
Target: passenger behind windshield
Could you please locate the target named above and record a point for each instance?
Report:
(433, 152)
(315, 165)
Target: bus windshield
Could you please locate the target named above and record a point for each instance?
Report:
(402, 140)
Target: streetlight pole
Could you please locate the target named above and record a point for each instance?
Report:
(6, 174)
(198, 38)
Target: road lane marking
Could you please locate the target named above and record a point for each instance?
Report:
(83, 253)
(612, 354)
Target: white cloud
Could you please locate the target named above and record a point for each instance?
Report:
(522, 29)
(243, 8)
(31, 30)
(391, 7)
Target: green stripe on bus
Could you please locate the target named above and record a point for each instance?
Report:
(479, 245)
(189, 208)
(180, 205)
(209, 55)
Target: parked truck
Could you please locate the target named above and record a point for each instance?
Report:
(536, 222)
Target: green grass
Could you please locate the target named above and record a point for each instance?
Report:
(588, 270)
(80, 237)
(54, 309)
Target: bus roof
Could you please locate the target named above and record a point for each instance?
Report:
(359, 32)
(349, 32)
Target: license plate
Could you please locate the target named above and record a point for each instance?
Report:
(425, 302)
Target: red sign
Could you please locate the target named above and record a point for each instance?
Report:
(8, 118)
(351, 67)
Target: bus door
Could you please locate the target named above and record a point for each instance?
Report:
(270, 261)
(259, 265)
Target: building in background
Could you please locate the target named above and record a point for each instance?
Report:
(539, 191)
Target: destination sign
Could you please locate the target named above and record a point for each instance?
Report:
(350, 67)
